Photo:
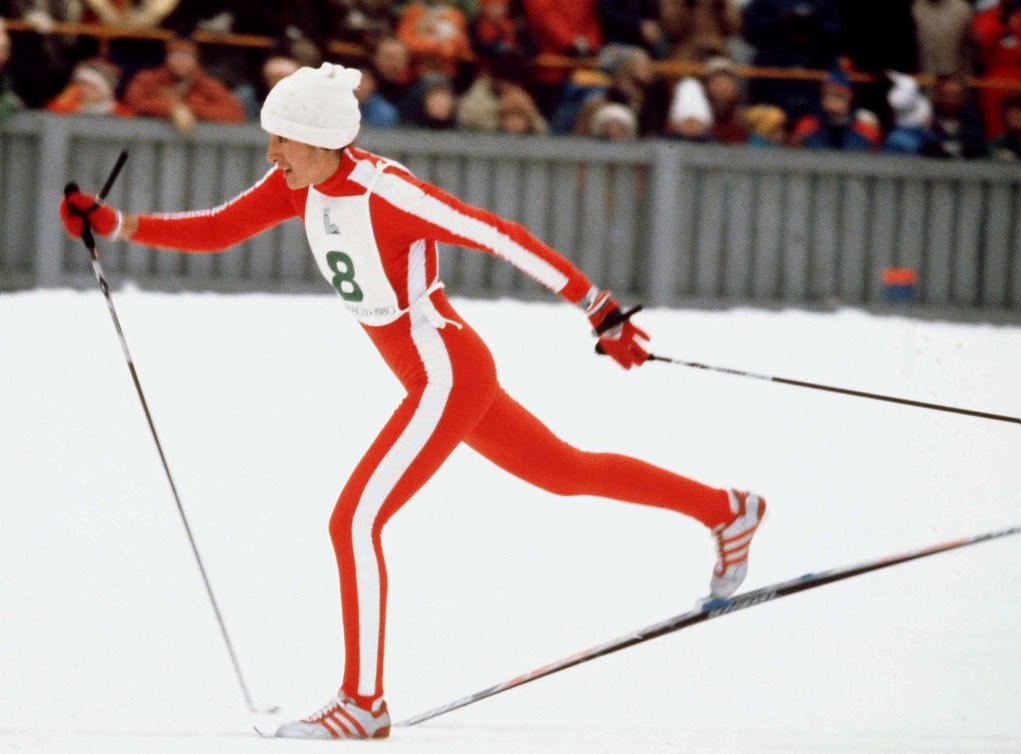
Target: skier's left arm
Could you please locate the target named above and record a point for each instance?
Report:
(422, 211)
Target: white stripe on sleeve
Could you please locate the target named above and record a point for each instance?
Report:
(214, 210)
(411, 199)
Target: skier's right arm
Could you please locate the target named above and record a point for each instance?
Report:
(269, 202)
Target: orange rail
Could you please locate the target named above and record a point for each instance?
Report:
(669, 68)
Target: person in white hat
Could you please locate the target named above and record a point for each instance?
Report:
(690, 115)
(912, 113)
(373, 229)
(91, 91)
(615, 122)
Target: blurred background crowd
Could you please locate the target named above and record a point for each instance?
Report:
(940, 78)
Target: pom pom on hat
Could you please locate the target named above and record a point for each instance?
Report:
(315, 106)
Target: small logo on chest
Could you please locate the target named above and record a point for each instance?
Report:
(328, 227)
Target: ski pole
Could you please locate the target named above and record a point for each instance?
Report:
(815, 385)
(97, 268)
(841, 390)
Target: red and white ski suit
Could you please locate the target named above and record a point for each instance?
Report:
(373, 228)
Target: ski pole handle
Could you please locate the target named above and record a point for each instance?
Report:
(72, 188)
(90, 241)
(624, 317)
(121, 159)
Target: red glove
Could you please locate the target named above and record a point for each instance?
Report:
(617, 336)
(76, 206)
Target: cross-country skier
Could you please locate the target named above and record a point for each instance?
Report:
(373, 229)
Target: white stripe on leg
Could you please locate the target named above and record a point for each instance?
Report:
(388, 473)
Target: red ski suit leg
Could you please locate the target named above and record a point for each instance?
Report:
(516, 441)
(453, 396)
(450, 381)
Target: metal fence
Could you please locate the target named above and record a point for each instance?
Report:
(661, 221)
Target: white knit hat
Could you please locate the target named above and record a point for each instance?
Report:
(690, 101)
(911, 108)
(614, 112)
(315, 106)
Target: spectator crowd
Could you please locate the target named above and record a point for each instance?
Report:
(470, 65)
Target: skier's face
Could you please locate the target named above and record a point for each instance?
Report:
(301, 164)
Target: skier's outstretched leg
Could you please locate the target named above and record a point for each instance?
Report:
(515, 440)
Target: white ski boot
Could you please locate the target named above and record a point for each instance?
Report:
(341, 718)
(733, 541)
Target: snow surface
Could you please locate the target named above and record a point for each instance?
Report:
(264, 404)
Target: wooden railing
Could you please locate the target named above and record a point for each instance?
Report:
(673, 69)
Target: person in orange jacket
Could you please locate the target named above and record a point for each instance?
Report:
(436, 35)
(181, 91)
(91, 91)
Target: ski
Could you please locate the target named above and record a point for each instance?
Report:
(713, 608)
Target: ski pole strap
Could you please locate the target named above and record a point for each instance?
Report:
(87, 237)
(614, 319)
(617, 318)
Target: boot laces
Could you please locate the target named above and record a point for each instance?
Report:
(326, 709)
